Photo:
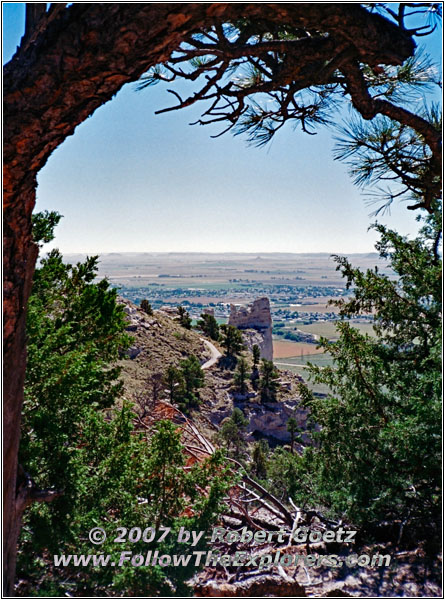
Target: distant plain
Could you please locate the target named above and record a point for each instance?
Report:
(211, 271)
(299, 287)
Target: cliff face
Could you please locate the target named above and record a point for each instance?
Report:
(158, 341)
(256, 323)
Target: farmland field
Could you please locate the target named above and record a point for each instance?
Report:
(314, 306)
(283, 349)
(299, 287)
(327, 329)
(297, 365)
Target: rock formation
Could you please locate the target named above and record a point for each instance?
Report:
(265, 420)
(271, 420)
(255, 322)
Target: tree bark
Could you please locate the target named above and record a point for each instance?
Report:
(70, 62)
(20, 254)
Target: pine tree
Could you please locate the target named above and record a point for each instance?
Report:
(259, 459)
(378, 447)
(232, 431)
(268, 383)
(174, 380)
(146, 307)
(256, 353)
(209, 325)
(193, 377)
(184, 318)
(292, 427)
(240, 376)
(232, 340)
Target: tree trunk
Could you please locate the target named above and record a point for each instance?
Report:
(19, 259)
(70, 62)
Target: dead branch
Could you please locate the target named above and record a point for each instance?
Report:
(284, 513)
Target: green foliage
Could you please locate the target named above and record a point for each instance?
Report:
(292, 427)
(146, 307)
(127, 483)
(174, 381)
(259, 123)
(43, 225)
(183, 382)
(268, 383)
(255, 375)
(256, 353)
(404, 83)
(379, 445)
(101, 476)
(239, 419)
(259, 459)
(75, 330)
(175, 498)
(184, 318)
(240, 376)
(383, 152)
(76, 443)
(232, 340)
(170, 489)
(284, 475)
(232, 432)
(209, 326)
(193, 377)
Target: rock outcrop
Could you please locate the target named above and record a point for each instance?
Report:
(257, 587)
(255, 322)
(265, 420)
(271, 420)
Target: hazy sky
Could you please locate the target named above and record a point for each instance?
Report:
(129, 180)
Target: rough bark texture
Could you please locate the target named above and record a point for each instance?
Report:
(71, 61)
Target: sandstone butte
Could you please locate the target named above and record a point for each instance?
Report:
(255, 321)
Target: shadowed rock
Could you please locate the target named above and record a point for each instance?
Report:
(255, 322)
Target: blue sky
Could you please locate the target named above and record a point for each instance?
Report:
(128, 180)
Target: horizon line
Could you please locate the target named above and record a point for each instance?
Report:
(232, 252)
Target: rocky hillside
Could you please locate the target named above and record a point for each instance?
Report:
(159, 340)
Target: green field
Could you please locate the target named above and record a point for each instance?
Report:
(327, 329)
(296, 365)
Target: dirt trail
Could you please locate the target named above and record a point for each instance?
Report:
(215, 354)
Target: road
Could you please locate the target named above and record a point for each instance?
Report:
(280, 364)
(215, 354)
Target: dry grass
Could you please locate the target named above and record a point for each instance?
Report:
(283, 349)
